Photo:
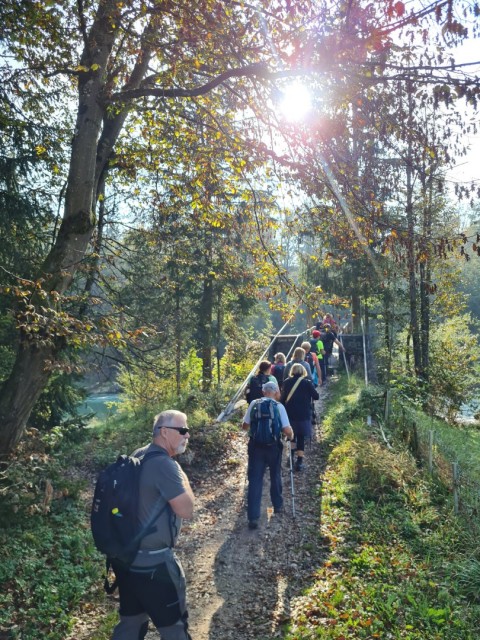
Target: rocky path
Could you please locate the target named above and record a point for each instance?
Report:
(243, 584)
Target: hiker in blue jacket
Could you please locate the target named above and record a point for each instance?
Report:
(261, 455)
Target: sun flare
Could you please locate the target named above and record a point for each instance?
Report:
(296, 102)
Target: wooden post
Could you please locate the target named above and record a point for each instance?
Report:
(387, 406)
(455, 487)
(431, 435)
(365, 367)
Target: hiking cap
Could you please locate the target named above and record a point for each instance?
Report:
(315, 333)
(270, 386)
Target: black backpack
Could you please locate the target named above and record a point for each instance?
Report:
(278, 370)
(314, 345)
(265, 422)
(255, 387)
(116, 529)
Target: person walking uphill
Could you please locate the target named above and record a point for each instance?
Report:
(154, 585)
(298, 357)
(297, 394)
(329, 338)
(278, 368)
(316, 347)
(267, 420)
(254, 385)
(312, 359)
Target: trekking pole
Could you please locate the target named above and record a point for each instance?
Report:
(292, 486)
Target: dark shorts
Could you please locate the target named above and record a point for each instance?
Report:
(158, 591)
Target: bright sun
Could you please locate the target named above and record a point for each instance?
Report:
(296, 102)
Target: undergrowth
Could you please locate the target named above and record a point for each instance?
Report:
(396, 566)
(49, 567)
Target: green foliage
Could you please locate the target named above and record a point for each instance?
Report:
(48, 559)
(468, 576)
(34, 481)
(454, 365)
(370, 401)
(146, 392)
(45, 573)
(454, 361)
(393, 546)
(7, 342)
(58, 403)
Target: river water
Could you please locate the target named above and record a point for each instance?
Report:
(99, 404)
(468, 411)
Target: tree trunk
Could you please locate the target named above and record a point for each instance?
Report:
(425, 265)
(356, 313)
(425, 317)
(21, 390)
(411, 262)
(96, 133)
(205, 334)
(32, 367)
(219, 334)
(178, 343)
(388, 335)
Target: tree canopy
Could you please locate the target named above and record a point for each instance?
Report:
(109, 106)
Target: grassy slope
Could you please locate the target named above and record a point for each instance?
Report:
(393, 549)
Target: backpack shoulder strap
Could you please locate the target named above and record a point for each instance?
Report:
(152, 454)
(293, 389)
(156, 513)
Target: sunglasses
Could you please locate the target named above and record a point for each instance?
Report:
(181, 430)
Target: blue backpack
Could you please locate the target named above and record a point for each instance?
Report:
(265, 422)
(116, 529)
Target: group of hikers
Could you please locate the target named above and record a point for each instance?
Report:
(281, 403)
(141, 500)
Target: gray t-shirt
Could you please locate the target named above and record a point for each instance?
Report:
(161, 480)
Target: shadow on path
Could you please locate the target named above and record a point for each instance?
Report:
(243, 584)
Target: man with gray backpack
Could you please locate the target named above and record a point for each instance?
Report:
(266, 420)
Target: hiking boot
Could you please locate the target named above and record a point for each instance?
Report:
(278, 509)
(299, 465)
(253, 524)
